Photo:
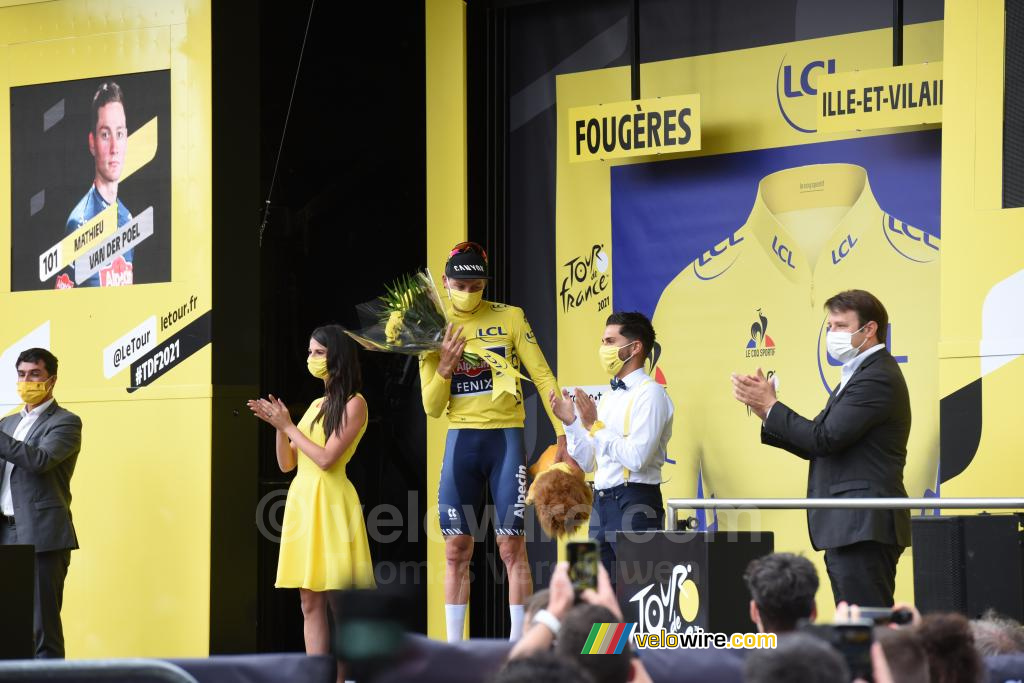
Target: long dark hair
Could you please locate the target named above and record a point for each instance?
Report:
(344, 377)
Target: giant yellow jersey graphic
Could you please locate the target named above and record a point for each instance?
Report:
(756, 300)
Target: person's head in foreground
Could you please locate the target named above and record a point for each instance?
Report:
(575, 632)
(543, 667)
(782, 588)
(905, 654)
(949, 644)
(995, 634)
(799, 658)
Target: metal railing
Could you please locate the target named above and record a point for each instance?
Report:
(673, 505)
(94, 670)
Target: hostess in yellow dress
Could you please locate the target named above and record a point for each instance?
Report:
(323, 538)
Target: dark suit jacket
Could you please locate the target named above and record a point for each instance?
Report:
(857, 447)
(41, 479)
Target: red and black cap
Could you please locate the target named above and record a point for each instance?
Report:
(467, 261)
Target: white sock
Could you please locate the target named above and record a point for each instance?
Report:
(455, 620)
(515, 613)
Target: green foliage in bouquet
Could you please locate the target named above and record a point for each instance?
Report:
(411, 300)
(409, 318)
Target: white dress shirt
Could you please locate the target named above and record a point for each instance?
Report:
(28, 418)
(642, 451)
(850, 366)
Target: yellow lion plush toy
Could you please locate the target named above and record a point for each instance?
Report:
(559, 494)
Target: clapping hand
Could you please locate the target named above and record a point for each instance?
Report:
(586, 408)
(561, 406)
(271, 410)
(754, 391)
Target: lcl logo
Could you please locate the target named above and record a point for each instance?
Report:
(788, 87)
(708, 266)
(784, 253)
(844, 249)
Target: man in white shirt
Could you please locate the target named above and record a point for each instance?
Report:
(625, 437)
(38, 449)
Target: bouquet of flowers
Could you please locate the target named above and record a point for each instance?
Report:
(408, 318)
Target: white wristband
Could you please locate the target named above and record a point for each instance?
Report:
(548, 619)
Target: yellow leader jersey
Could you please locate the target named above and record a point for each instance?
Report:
(756, 300)
(505, 331)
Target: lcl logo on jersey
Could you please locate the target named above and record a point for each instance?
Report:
(492, 331)
(784, 253)
(716, 260)
(897, 231)
(844, 249)
(826, 360)
(794, 81)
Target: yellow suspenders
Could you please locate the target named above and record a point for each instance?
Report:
(626, 421)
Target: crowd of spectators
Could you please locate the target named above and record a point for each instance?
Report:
(935, 648)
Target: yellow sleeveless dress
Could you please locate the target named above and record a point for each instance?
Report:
(323, 537)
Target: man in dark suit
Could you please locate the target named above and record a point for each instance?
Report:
(38, 450)
(857, 447)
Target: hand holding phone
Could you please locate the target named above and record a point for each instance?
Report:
(852, 640)
(887, 615)
(584, 560)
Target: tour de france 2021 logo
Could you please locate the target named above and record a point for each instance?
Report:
(586, 280)
(672, 606)
(796, 88)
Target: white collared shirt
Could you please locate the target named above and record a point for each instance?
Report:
(28, 418)
(850, 366)
(642, 451)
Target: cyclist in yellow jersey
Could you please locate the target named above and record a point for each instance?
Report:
(485, 435)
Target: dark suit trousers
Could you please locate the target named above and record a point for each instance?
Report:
(51, 570)
(863, 573)
(632, 507)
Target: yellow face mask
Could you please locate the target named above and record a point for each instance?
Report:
(465, 302)
(33, 392)
(317, 366)
(610, 360)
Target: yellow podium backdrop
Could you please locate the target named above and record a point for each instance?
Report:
(122, 297)
(982, 336)
(734, 249)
